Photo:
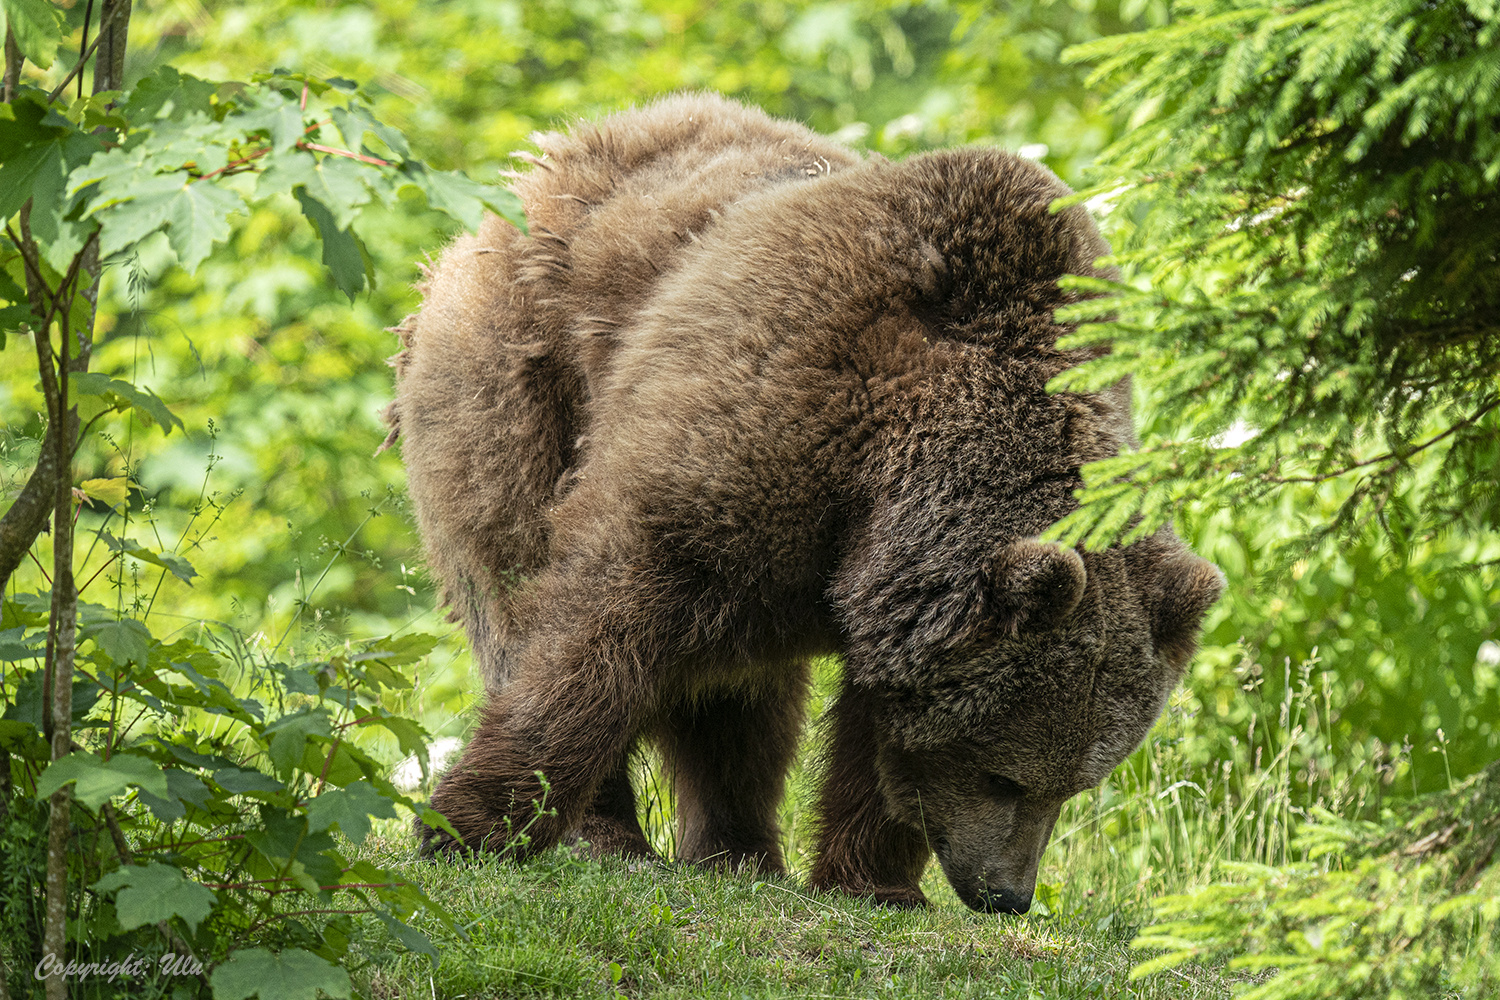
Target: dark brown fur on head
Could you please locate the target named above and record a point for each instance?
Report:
(740, 398)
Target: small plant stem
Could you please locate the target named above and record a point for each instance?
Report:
(327, 763)
(301, 913)
(302, 605)
(83, 42)
(105, 23)
(346, 153)
(101, 569)
(1395, 458)
(201, 840)
(45, 575)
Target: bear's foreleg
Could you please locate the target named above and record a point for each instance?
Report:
(575, 726)
(862, 850)
(728, 758)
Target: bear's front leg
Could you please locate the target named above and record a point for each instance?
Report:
(861, 849)
(572, 725)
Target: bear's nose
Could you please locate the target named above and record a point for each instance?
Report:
(1004, 901)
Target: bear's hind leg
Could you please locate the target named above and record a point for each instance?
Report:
(862, 849)
(728, 757)
(611, 826)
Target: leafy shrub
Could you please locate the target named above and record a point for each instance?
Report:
(230, 802)
(202, 788)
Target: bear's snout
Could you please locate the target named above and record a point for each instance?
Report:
(987, 890)
(1005, 901)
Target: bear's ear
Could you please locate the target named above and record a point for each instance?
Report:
(1185, 587)
(1032, 586)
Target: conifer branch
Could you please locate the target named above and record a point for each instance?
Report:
(1395, 458)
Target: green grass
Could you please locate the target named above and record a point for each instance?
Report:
(561, 926)
(1164, 823)
(567, 927)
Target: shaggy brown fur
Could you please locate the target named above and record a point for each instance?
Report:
(741, 398)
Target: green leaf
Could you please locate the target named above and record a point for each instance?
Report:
(349, 808)
(170, 93)
(128, 221)
(183, 789)
(285, 836)
(278, 116)
(153, 892)
(465, 200)
(354, 122)
(38, 148)
(23, 738)
(240, 781)
(338, 183)
(96, 781)
(395, 651)
(114, 491)
(176, 565)
(410, 937)
(19, 176)
(38, 26)
(412, 738)
(343, 253)
(339, 764)
(124, 396)
(123, 641)
(289, 734)
(293, 974)
(199, 218)
(14, 646)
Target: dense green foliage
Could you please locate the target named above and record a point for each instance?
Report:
(236, 767)
(1411, 911)
(1308, 215)
(1316, 204)
(1304, 209)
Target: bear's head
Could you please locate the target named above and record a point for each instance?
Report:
(1052, 668)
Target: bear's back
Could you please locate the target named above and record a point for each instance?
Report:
(494, 381)
(612, 205)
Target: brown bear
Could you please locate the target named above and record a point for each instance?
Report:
(740, 398)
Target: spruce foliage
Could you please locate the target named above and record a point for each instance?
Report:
(1309, 201)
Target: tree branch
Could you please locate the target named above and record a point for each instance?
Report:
(1395, 458)
(83, 57)
(27, 517)
(12, 67)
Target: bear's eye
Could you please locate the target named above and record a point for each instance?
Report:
(1003, 788)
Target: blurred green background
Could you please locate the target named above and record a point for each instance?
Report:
(280, 382)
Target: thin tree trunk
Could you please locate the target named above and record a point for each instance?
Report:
(5, 792)
(28, 515)
(64, 619)
(109, 58)
(109, 74)
(26, 518)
